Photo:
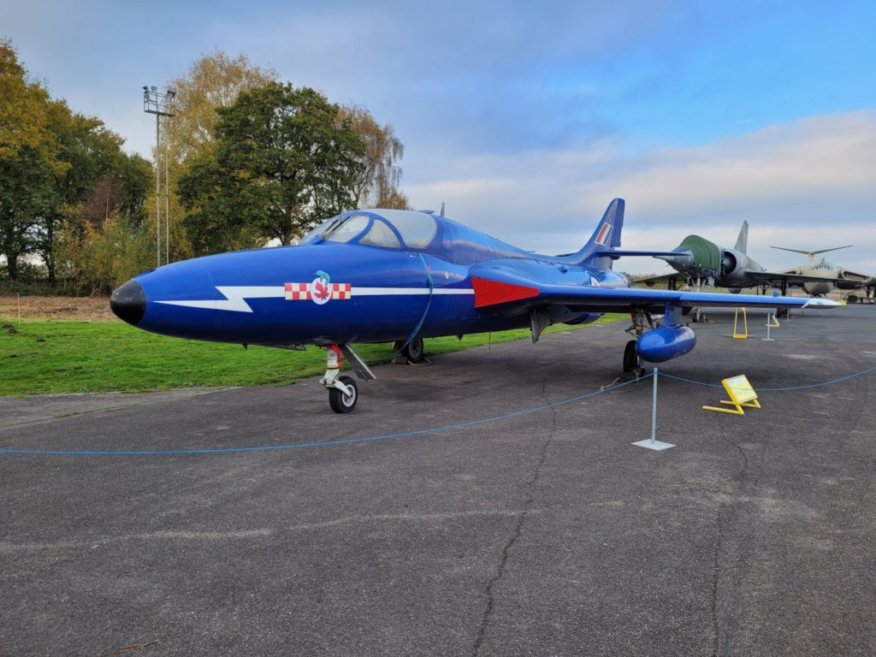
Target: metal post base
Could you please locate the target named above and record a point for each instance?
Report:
(656, 445)
(652, 442)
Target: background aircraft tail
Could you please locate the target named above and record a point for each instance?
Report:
(742, 240)
(604, 240)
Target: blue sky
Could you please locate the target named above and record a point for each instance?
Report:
(527, 118)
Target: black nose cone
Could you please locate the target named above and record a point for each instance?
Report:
(128, 302)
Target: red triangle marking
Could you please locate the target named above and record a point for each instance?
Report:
(491, 293)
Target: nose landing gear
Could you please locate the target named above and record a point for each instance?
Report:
(343, 391)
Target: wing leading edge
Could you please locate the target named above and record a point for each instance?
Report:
(504, 289)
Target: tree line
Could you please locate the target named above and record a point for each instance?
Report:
(246, 160)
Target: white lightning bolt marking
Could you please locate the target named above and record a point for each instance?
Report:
(235, 298)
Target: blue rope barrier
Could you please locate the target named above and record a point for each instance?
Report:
(407, 434)
(829, 382)
(691, 381)
(323, 443)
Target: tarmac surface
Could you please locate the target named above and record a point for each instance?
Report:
(541, 531)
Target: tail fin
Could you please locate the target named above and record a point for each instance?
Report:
(605, 238)
(742, 240)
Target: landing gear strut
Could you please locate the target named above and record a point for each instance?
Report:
(641, 320)
(784, 313)
(343, 391)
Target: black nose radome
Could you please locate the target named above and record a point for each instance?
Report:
(128, 302)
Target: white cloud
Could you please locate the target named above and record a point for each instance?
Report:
(805, 184)
(821, 155)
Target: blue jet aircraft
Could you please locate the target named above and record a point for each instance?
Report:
(401, 276)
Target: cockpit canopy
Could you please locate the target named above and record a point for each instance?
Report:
(388, 229)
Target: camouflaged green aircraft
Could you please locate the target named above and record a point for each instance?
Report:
(699, 262)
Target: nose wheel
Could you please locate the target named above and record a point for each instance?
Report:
(343, 391)
(344, 401)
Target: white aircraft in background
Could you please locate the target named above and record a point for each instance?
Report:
(834, 277)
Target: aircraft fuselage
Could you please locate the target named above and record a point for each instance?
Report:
(330, 293)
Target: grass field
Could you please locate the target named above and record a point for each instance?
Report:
(52, 357)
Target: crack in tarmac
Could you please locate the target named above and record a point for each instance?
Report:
(719, 536)
(518, 530)
(716, 578)
(7, 547)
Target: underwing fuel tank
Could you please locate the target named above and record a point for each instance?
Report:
(665, 343)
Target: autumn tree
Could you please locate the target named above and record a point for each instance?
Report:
(122, 190)
(107, 240)
(284, 158)
(52, 162)
(378, 183)
(211, 82)
(28, 159)
(89, 152)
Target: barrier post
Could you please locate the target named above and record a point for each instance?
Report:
(772, 322)
(653, 443)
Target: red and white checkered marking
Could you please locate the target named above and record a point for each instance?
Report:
(301, 291)
(296, 291)
(341, 290)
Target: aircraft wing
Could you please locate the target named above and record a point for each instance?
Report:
(855, 277)
(792, 277)
(512, 288)
(753, 278)
(664, 279)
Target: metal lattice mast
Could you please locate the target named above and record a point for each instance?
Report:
(160, 104)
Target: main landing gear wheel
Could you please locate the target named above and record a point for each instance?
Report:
(341, 402)
(415, 352)
(631, 358)
(632, 364)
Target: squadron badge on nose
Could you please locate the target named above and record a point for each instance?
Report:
(320, 290)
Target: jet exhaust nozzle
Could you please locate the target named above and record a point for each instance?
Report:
(128, 302)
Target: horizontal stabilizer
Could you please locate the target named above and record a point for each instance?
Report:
(812, 253)
(623, 252)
